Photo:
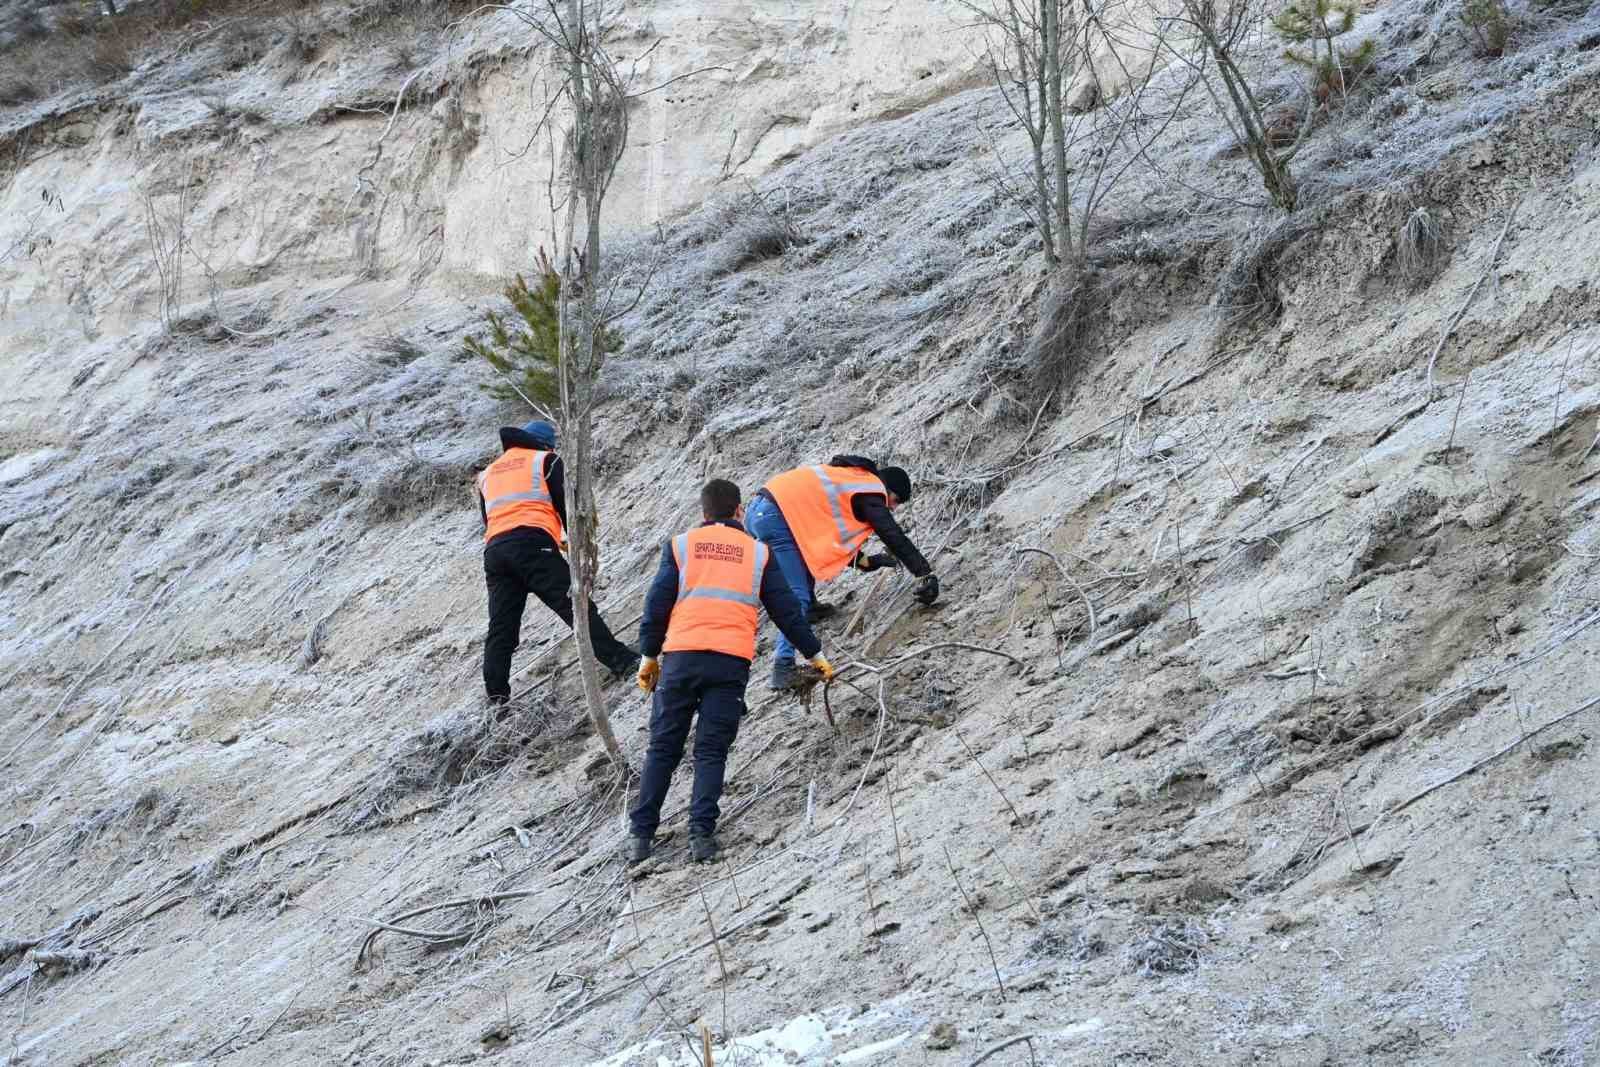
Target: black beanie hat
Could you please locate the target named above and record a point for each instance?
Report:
(897, 481)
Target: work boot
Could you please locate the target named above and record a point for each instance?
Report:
(703, 848)
(819, 611)
(784, 675)
(638, 850)
(624, 668)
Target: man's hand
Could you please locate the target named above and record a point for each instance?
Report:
(875, 562)
(820, 662)
(927, 590)
(649, 674)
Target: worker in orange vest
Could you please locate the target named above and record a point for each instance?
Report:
(817, 519)
(522, 499)
(702, 611)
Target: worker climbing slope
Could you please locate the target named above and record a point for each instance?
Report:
(522, 499)
(702, 611)
(817, 519)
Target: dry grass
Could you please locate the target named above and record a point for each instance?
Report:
(755, 233)
(1419, 247)
(49, 50)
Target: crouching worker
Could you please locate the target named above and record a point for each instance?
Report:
(817, 519)
(702, 612)
(522, 498)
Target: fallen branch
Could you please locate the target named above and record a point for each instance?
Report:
(434, 936)
(1001, 1046)
(1475, 767)
(1094, 620)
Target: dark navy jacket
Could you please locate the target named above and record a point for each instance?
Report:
(776, 597)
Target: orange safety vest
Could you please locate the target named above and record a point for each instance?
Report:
(719, 592)
(816, 503)
(515, 494)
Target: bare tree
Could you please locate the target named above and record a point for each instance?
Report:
(1079, 154)
(595, 93)
(1217, 36)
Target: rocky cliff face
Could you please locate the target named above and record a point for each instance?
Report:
(1256, 725)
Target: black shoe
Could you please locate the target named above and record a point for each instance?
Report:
(819, 611)
(638, 850)
(703, 848)
(625, 668)
(784, 675)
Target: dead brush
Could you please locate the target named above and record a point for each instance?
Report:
(149, 811)
(1248, 289)
(1076, 944)
(411, 484)
(756, 231)
(393, 350)
(1419, 246)
(455, 749)
(1172, 946)
(1057, 353)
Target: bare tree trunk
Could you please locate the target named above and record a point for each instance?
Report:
(580, 363)
(1036, 132)
(1274, 168)
(1051, 28)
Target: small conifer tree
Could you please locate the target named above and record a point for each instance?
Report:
(1489, 25)
(1313, 25)
(526, 356)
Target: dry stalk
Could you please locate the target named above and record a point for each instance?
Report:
(1183, 576)
(1350, 834)
(1561, 383)
(894, 825)
(1015, 814)
(1461, 400)
(973, 909)
(722, 966)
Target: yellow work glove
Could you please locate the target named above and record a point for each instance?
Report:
(820, 662)
(649, 674)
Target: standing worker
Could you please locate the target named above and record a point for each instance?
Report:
(523, 502)
(816, 520)
(703, 610)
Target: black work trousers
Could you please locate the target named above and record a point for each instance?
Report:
(713, 685)
(514, 565)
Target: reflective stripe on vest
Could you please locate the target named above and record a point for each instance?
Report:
(816, 503)
(719, 592)
(520, 495)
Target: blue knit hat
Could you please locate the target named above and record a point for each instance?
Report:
(542, 432)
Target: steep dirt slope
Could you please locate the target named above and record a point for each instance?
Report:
(1241, 792)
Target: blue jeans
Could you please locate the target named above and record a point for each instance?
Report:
(767, 525)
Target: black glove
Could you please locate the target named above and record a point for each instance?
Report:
(875, 562)
(927, 590)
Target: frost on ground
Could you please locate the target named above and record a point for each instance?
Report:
(1294, 761)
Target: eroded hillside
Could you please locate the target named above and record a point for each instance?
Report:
(1276, 748)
